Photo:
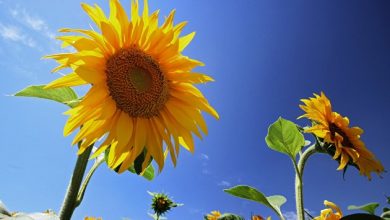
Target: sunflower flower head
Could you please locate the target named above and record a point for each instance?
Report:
(214, 215)
(142, 96)
(344, 141)
(331, 213)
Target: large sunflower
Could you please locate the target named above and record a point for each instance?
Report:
(334, 129)
(142, 97)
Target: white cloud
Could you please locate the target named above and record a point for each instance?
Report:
(13, 33)
(206, 171)
(204, 157)
(194, 211)
(224, 183)
(290, 215)
(293, 216)
(33, 22)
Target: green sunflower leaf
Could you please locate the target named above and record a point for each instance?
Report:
(283, 136)
(360, 216)
(230, 216)
(386, 215)
(247, 192)
(369, 207)
(64, 95)
(3, 210)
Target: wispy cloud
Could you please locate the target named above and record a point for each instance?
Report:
(204, 157)
(290, 215)
(224, 183)
(13, 33)
(32, 21)
(293, 216)
(205, 171)
(194, 210)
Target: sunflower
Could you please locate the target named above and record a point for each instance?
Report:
(161, 203)
(334, 129)
(329, 214)
(142, 94)
(214, 215)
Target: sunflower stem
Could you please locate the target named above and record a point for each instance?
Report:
(69, 203)
(299, 180)
(85, 183)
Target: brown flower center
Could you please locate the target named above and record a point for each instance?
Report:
(136, 83)
(335, 129)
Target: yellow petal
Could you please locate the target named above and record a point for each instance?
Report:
(110, 35)
(184, 41)
(69, 80)
(96, 14)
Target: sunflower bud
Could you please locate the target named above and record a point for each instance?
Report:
(161, 203)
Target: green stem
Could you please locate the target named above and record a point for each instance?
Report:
(84, 185)
(69, 203)
(299, 180)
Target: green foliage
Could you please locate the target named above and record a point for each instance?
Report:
(250, 193)
(361, 216)
(386, 214)
(369, 207)
(3, 210)
(230, 216)
(64, 95)
(148, 173)
(161, 204)
(283, 136)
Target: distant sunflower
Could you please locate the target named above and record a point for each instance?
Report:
(142, 94)
(214, 215)
(331, 213)
(334, 129)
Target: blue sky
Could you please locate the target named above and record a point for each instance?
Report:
(265, 57)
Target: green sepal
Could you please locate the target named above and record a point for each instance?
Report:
(64, 95)
(148, 173)
(136, 168)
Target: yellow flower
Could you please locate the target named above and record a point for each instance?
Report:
(329, 214)
(92, 218)
(214, 215)
(334, 129)
(142, 94)
(258, 217)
